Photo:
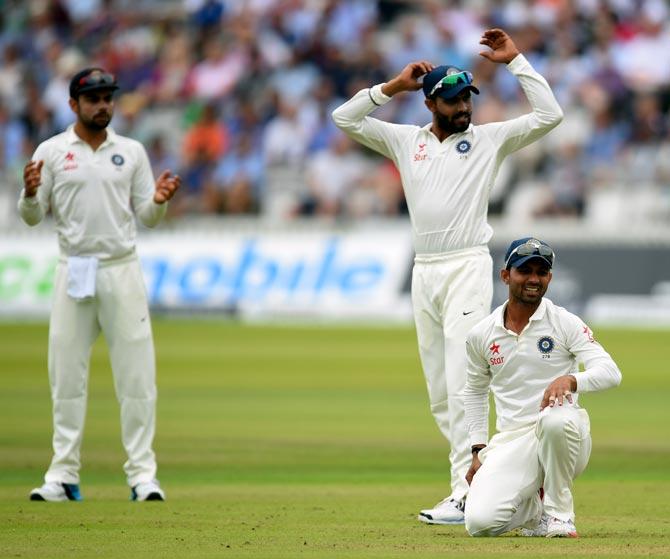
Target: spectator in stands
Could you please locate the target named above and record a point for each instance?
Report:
(207, 139)
(333, 177)
(286, 137)
(237, 181)
(244, 56)
(222, 67)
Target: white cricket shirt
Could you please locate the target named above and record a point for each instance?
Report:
(447, 184)
(518, 368)
(92, 194)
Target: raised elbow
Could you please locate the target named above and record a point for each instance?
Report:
(556, 117)
(339, 119)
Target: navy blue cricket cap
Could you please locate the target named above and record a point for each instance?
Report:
(91, 79)
(447, 82)
(523, 250)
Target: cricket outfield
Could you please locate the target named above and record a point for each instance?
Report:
(285, 442)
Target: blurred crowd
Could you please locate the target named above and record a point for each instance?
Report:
(236, 96)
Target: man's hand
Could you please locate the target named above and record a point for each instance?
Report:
(166, 185)
(503, 50)
(408, 79)
(476, 464)
(32, 177)
(559, 389)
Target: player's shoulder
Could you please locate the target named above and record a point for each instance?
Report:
(483, 328)
(563, 320)
(559, 312)
(128, 142)
(486, 132)
(56, 142)
(408, 130)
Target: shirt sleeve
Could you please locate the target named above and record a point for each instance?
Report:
(142, 192)
(32, 210)
(476, 393)
(546, 114)
(600, 370)
(383, 137)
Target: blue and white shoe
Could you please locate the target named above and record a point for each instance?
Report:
(150, 491)
(447, 511)
(56, 492)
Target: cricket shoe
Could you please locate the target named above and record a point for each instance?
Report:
(447, 511)
(149, 491)
(538, 531)
(557, 528)
(56, 492)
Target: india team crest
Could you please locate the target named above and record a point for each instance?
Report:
(545, 344)
(463, 147)
(118, 160)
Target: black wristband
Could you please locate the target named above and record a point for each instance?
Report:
(477, 448)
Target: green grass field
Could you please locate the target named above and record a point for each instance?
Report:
(283, 442)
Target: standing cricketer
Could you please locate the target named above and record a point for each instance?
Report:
(527, 353)
(448, 168)
(93, 181)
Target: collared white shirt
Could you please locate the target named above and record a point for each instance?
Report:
(518, 368)
(447, 184)
(92, 194)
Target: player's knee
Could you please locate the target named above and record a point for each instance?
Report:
(557, 421)
(482, 522)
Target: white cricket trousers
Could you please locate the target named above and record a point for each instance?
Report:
(515, 464)
(451, 292)
(119, 309)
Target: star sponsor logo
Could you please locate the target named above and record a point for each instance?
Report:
(421, 154)
(587, 331)
(70, 163)
(495, 357)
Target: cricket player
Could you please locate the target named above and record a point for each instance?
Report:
(527, 353)
(448, 168)
(93, 181)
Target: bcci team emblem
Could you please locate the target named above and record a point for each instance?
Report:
(545, 344)
(118, 160)
(463, 147)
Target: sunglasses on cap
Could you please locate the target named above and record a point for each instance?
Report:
(97, 79)
(451, 80)
(532, 249)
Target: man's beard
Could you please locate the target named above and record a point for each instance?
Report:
(97, 123)
(448, 125)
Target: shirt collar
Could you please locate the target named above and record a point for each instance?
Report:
(537, 315)
(72, 137)
(469, 130)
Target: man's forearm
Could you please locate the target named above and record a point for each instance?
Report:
(476, 416)
(392, 87)
(537, 91)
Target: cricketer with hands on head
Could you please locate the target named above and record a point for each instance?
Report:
(93, 181)
(527, 354)
(448, 168)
